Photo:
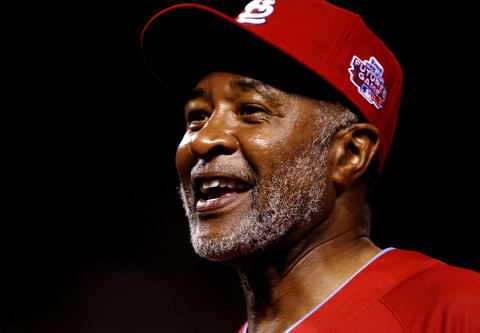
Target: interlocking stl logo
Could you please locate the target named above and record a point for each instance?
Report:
(256, 12)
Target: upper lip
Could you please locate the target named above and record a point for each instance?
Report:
(200, 176)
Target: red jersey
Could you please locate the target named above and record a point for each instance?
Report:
(399, 291)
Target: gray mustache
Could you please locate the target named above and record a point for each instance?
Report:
(203, 166)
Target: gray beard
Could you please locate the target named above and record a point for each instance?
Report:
(294, 197)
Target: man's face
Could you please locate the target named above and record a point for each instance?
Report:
(252, 164)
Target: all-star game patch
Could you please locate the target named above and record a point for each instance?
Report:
(367, 76)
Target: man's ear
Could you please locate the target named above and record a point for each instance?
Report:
(353, 149)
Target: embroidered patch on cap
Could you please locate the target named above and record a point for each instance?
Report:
(256, 12)
(367, 76)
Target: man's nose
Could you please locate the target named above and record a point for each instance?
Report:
(216, 137)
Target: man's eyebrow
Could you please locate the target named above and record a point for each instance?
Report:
(196, 93)
(258, 87)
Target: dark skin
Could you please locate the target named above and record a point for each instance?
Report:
(235, 123)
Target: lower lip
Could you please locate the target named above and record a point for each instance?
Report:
(222, 204)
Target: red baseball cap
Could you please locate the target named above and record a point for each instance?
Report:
(184, 42)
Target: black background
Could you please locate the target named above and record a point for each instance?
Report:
(93, 234)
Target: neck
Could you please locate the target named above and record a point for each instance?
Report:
(310, 270)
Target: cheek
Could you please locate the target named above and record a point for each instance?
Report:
(264, 150)
(184, 159)
(260, 142)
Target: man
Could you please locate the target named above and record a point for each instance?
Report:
(290, 112)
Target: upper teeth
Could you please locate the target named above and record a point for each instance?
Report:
(220, 182)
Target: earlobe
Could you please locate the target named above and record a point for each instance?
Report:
(353, 151)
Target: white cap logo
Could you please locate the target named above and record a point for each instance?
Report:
(256, 12)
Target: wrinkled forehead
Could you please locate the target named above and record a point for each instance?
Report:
(237, 83)
(274, 90)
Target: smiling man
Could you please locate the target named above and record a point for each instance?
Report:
(253, 155)
(290, 112)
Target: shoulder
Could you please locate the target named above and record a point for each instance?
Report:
(435, 297)
(437, 281)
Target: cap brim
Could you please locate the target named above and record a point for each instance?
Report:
(185, 42)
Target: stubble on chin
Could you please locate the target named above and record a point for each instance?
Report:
(288, 199)
(220, 248)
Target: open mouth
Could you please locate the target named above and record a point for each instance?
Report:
(218, 192)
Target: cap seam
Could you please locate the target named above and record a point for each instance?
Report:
(397, 89)
(334, 53)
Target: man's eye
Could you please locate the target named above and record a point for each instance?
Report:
(250, 109)
(253, 113)
(196, 116)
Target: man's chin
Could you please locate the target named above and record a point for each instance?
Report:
(223, 238)
(225, 257)
(233, 251)
(226, 249)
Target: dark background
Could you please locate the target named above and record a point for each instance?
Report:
(93, 235)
